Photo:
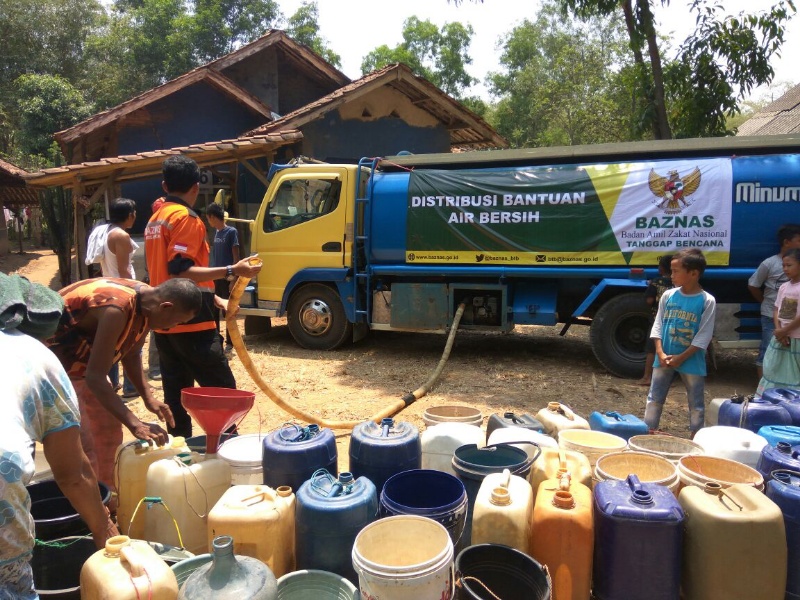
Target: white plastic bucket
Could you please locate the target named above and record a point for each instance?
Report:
(649, 468)
(243, 454)
(666, 446)
(593, 444)
(405, 557)
(452, 414)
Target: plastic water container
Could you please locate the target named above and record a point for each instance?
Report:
(380, 450)
(593, 444)
(733, 443)
(181, 495)
(648, 468)
(783, 456)
(313, 584)
(291, 454)
(261, 522)
(510, 419)
(553, 461)
(753, 415)
(472, 464)
(563, 536)
(712, 411)
(428, 493)
(508, 435)
(57, 567)
(439, 443)
(624, 426)
(557, 417)
(780, 433)
(452, 414)
(127, 570)
(130, 478)
(330, 513)
(244, 455)
(505, 572)
(666, 446)
(404, 557)
(787, 398)
(784, 490)
(230, 577)
(53, 515)
(638, 541)
(698, 471)
(503, 512)
(734, 545)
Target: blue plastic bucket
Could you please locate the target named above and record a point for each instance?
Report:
(427, 493)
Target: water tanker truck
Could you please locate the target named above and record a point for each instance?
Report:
(543, 236)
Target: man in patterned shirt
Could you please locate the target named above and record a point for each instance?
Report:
(105, 321)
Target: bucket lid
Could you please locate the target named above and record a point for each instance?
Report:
(243, 450)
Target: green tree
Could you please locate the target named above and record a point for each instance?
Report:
(44, 37)
(45, 104)
(138, 48)
(221, 26)
(719, 63)
(564, 82)
(303, 27)
(439, 55)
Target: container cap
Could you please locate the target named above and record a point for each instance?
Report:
(563, 499)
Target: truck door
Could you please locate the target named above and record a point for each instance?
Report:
(301, 226)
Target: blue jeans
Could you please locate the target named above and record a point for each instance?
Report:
(767, 331)
(659, 388)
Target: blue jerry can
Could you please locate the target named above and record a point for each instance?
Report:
(624, 426)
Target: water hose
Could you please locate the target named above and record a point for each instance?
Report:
(244, 356)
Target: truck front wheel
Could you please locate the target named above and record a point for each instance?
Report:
(316, 318)
(619, 332)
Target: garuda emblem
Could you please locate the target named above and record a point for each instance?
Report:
(672, 192)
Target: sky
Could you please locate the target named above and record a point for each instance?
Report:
(353, 27)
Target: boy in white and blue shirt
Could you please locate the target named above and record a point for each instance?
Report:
(682, 332)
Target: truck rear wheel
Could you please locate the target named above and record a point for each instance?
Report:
(255, 325)
(619, 332)
(316, 318)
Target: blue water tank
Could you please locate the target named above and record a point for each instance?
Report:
(380, 450)
(510, 419)
(784, 490)
(781, 433)
(291, 454)
(757, 413)
(787, 398)
(624, 426)
(330, 513)
(638, 541)
(782, 456)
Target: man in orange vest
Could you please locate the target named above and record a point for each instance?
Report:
(176, 246)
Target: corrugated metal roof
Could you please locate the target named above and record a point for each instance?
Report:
(467, 130)
(777, 118)
(148, 164)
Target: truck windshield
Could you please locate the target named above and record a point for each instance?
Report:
(301, 200)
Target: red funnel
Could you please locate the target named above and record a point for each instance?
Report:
(215, 409)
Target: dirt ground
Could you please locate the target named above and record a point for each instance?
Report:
(519, 371)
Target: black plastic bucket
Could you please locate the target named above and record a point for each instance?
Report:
(427, 493)
(472, 464)
(491, 571)
(53, 515)
(57, 567)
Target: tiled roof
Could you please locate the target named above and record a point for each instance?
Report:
(467, 130)
(148, 164)
(780, 117)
